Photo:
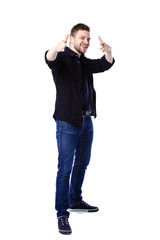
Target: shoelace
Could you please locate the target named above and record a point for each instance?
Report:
(85, 203)
(64, 221)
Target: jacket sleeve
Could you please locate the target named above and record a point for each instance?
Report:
(99, 65)
(53, 64)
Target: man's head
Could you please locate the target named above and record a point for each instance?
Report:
(80, 38)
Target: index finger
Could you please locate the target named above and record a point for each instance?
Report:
(100, 39)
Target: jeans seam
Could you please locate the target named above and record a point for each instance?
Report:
(59, 144)
(77, 167)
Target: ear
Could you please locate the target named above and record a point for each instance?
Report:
(71, 39)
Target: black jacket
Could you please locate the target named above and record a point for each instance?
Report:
(67, 78)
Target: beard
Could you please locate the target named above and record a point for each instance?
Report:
(78, 48)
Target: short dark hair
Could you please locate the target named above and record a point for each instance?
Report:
(77, 27)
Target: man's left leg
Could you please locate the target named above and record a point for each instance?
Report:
(82, 159)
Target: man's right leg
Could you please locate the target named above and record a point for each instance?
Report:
(67, 137)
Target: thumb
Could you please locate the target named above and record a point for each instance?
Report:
(66, 38)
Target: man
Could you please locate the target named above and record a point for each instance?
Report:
(75, 104)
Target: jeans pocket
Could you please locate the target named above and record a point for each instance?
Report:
(67, 128)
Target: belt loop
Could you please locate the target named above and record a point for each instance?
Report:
(86, 113)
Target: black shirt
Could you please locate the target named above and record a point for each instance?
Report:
(68, 76)
(84, 84)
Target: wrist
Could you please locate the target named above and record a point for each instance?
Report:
(52, 54)
(108, 56)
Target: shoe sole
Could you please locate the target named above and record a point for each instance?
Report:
(83, 210)
(65, 232)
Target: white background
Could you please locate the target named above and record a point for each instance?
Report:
(123, 178)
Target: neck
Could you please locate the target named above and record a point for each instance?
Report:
(74, 50)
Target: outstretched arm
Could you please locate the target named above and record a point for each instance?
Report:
(52, 53)
(106, 49)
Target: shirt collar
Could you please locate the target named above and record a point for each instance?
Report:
(72, 53)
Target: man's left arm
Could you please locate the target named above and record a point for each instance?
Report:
(107, 50)
(104, 63)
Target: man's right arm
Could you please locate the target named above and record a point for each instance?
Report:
(52, 53)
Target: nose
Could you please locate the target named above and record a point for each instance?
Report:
(86, 42)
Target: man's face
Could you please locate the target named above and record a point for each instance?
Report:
(81, 41)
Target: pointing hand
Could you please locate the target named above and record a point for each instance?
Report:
(104, 47)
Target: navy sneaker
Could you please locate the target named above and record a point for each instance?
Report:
(83, 207)
(63, 225)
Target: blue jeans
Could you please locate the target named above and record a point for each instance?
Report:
(74, 151)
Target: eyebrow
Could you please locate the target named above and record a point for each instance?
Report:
(85, 37)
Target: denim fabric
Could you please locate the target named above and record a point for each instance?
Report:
(74, 151)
